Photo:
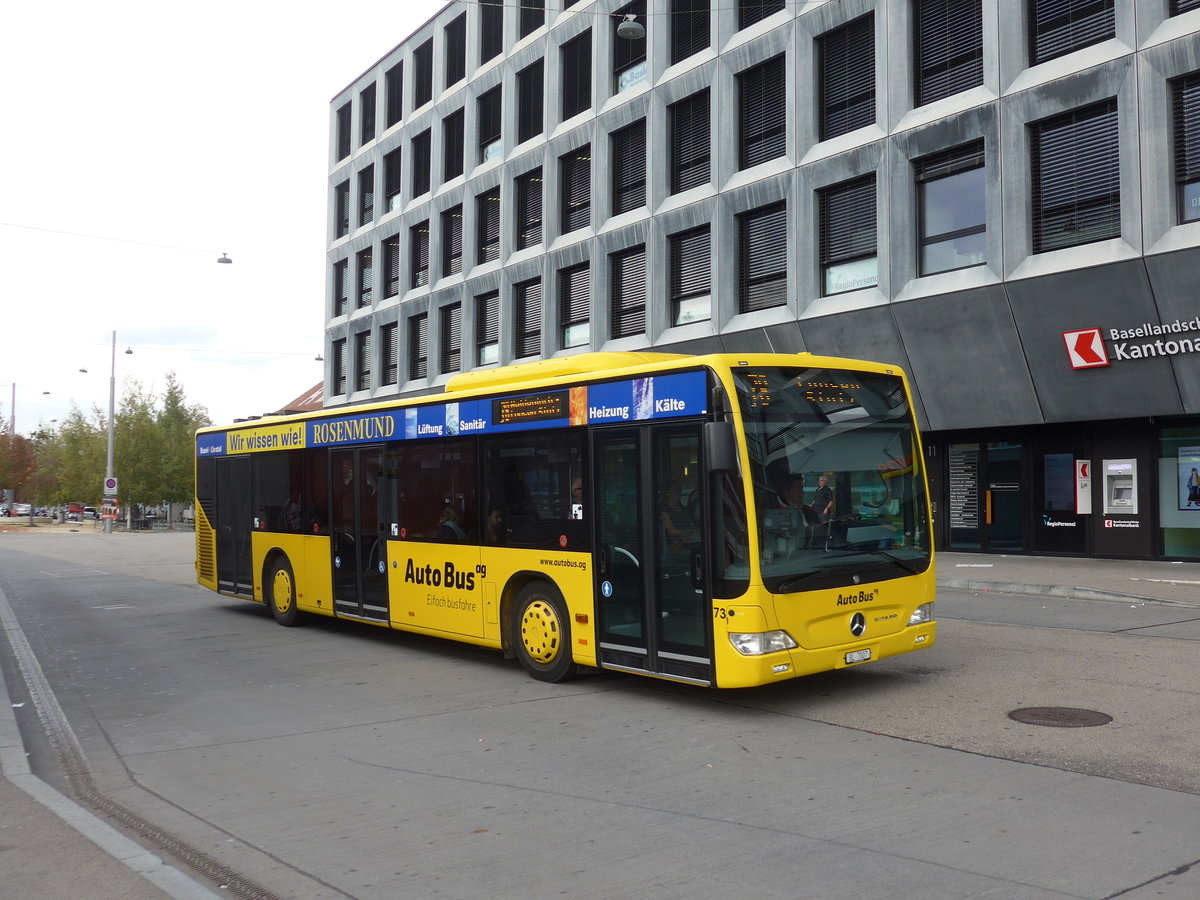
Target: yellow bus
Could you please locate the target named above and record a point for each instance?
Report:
(723, 520)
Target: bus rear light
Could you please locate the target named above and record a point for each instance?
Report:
(760, 642)
(921, 615)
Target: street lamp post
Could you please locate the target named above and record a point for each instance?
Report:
(112, 404)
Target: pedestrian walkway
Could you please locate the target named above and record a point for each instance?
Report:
(1126, 580)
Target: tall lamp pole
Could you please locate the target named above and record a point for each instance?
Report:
(112, 403)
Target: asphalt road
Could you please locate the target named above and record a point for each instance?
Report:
(337, 760)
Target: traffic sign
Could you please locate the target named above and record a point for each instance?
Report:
(110, 487)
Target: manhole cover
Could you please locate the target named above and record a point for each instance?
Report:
(1060, 716)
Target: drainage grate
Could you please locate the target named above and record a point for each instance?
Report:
(1060, 716)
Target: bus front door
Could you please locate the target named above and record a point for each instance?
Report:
(653, 601)
(358, 499)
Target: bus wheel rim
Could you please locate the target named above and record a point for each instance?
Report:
(540, 631)
(282, 590)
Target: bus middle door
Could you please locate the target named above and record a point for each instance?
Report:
(360, 501)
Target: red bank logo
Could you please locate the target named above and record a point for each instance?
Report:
(1086, 348)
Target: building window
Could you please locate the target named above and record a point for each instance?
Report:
(849, 247)
(343, 131)
(577, 74)
(1178, 7)
(338, 366)
(341, 284)
(1059, 27)
(366, 277)
(762, 118)
(1076, 178)
(391, 265)
(489, 124)
(362, 361)
(628, 292)
(1186, 100)
(689, 149)
(421, 163)
(419, 253)
(762, 258)
(341, 209)
(948, 48)
(576, 188)
(487, 225)
(452, 241)
(527, 317)
(388, 354)
(366, 112)
(451, 322)
(456, 50)
(629, 167)
(366, 195)
(529, 102)
(751, 11)
(491, 29)
(847, 69)
(689, 28)
(952, 189)
(418, 344)
(393, 87)
(629, 56)
(574, 305)
(393, 178)
(533, 16)
(487, 328)
(690, 279)
(423, 74)
(529, 209)
(452, 145)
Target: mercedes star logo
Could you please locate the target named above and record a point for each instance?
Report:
(858, 624)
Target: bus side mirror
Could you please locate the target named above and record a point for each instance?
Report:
(720, 447)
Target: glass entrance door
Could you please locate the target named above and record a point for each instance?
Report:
(359, 532)
(986, 496)
(651, 574)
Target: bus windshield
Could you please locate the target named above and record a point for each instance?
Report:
(838, 494)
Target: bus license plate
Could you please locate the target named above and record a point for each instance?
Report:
(857, 656)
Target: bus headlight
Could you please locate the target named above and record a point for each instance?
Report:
(760, 642)
(921, 615)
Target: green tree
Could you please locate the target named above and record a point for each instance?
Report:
(17, 464)
(177, 424)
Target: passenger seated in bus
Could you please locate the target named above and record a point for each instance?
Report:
(792, 495)
(493, 529)
(679, 526)
(448, 527)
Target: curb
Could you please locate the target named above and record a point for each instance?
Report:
(1063, 591)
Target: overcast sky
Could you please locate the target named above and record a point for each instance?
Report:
(182, 132)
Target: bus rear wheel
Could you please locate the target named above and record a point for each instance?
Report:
(281, 592)
(542, 633)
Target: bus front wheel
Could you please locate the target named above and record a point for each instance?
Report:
(542, 633)
(281, 592)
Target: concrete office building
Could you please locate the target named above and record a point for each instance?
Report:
(1002, 196)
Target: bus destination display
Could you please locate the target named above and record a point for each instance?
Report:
(531, 408)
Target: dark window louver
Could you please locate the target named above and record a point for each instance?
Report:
(393, 179)
(366, 122)
(366, 277)
(533, 15)
(629, 167)
(393, 85)
(419, 253)
(452, 241)
(690, 278)
(487, 325)
(530, 116)
(847, 71)
(847, 221)
(949, 48)
(339, 366)
(423, 74)
(1177, 7)
(418, 342)
(1076, 195)
(366, 195)
(389, 354)
(576, 188)
(527, 317)
(577, 74)
(574, 292)
(690, 28)
(456, 50)
(341, 209)
(362, 361)
(487, 213)
(629, 292)
(343, 131)
(949, 162)
(1059, 27)
(491, 29)
(420, 163)
(452, 145)
(529, 209)
(391, 266)
(690, 142)
(488, 108)
(751, 11)
(762, 118)
(762, 258)
(1186, 102)
(451, 323)
(341, 294)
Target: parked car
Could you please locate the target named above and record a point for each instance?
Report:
(22, 509)
(89, 512)
(75, 512)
